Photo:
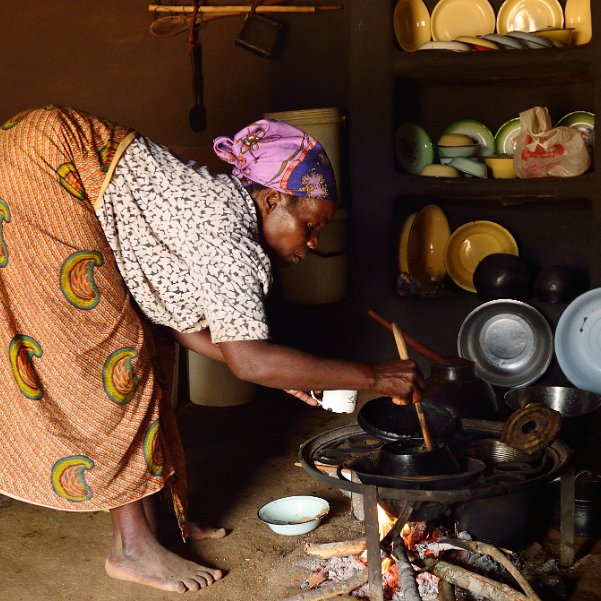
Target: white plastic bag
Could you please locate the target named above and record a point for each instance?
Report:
(543, 150)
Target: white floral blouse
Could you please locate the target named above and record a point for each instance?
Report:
(187, 244)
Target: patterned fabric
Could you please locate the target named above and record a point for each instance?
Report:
(187, 244)
(278, 155)
(85, 420)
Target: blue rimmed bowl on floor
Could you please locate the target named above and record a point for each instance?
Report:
(292, 516)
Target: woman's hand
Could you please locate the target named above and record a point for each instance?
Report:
(303, 396)
(401, 380)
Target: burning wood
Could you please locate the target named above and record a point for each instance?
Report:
(406, 572)
(474, 583)
(332, 589)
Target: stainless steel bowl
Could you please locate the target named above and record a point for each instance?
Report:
(495, 452)
(570, 402)
(509, 341)
(575, 406)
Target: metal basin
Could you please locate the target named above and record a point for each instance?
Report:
(510, 342)
(570, 402)
(574, 405)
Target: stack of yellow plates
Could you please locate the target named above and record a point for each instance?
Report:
(428, 235)
(403, 263)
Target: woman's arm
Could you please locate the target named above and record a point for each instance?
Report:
(283, 367)
(200, 342)
(277, 366)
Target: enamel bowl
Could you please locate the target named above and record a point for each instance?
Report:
(436, 170)
(500, 166)
(292, 516)
(469, 167)
(466, 150)
(455, 140)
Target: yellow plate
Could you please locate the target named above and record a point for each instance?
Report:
(474, 41)
(558, 35)
(411, 22)
(469, 244)
(529, 15)
(425, 246)
(452, 18)
(404, 238)
(578, 16)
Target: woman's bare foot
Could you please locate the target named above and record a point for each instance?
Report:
(153, 565)
(197, 532)
(137, 556)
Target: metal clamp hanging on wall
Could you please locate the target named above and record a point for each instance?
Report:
(260, 35)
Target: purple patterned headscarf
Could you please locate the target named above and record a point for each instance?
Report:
(278, 155)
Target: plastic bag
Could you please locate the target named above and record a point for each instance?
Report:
(543, 150)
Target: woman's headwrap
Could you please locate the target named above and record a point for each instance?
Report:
(278, 155)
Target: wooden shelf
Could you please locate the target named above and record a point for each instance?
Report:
(504, 191)
(529, 67)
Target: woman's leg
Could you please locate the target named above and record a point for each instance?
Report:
(137, 556)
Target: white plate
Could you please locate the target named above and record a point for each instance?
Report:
(453, 46)
(529, 15)
(453, 18)
(411, 22)
(531, 39)
(506, 42)
(582, 120)
(476, 130)
(578, 341)
(509, 341)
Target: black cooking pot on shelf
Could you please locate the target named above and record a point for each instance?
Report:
(559, 284)
(501, 275)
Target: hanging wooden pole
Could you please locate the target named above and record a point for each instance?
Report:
(241, 9)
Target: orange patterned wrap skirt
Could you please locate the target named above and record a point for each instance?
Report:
(85, 420)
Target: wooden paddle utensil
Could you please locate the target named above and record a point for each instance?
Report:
(404, 354)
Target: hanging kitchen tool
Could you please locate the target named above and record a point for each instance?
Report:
(198, 115)
(260, 35)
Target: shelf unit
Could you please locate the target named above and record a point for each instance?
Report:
(435, 88)
(554, 220)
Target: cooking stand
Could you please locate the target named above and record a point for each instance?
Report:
(341, 441)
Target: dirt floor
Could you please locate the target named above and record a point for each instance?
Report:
(239, 458)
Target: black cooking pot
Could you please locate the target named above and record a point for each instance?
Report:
(409, 457)
(559, 284)
(460, 391)
(501, 275)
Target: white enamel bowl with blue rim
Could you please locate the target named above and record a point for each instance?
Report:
(292, 516)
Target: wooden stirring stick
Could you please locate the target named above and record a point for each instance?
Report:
(404, 354)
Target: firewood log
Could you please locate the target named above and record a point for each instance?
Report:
(340, 549)
(332, 589)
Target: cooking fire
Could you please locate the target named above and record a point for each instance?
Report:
(444, 523)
